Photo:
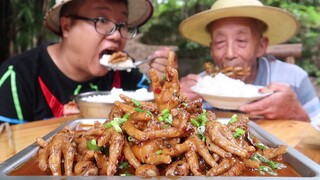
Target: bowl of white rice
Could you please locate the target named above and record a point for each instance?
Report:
(98, 104)
(223, 92)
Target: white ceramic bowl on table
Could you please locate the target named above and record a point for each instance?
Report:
(225, 93)
(229, 102)
(98, 104)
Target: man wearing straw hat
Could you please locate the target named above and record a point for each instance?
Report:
(37, 84)
(238, 33)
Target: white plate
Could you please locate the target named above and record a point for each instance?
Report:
(228, 102)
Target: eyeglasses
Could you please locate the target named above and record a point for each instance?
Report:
(106, 27)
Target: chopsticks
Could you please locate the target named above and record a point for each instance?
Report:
(11, 143)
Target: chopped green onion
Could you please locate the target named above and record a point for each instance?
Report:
(150, 113)
(202, 137)
(201, 129)
(195, 122)
(108, 125)
(204, 121)
(123, 165)
(114, 124)
(139, 110)
(203, 116)
(259, 157)
(165, 116)
(92, 145)
(274, 165)
(130, 139)
(126, 116)
(239, 132)
(164, 77)
(159, 152)
(233, 119)
(137, 103)
(267, 169)
(165, 111)
(168, 119)
(261, 146)
(160, 118)
(280, 165)
(142, 111)
(201, 120)
(119, 121)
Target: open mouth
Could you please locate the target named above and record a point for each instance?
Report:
(106, 52)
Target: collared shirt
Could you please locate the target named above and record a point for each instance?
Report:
(272, 70)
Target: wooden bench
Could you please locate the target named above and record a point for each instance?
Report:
(287, 52)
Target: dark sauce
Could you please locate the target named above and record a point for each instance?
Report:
(30, 168)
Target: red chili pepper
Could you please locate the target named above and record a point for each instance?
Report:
(97, 139)
(157, 91)
(121, 158)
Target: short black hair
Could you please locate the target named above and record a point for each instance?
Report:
(72, 7)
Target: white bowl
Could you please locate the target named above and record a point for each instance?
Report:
(98, 104)
(91, 109)
(229, 102)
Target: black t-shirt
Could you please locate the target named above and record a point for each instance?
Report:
(22, 98)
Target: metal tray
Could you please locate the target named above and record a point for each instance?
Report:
(307, 168)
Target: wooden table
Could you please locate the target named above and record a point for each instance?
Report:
(300, 135)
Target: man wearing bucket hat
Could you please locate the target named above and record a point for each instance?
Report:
(238, 33)
(38, 83)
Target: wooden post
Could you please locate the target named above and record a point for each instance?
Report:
(288, 52)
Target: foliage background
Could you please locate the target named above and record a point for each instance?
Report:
(21, 28)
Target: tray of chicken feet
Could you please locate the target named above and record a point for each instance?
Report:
(168, 138)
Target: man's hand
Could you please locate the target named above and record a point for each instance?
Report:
(160, 61)
(282, 104)
(185, 86)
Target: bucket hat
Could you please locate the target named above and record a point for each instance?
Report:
(140, 11)
(281, 25)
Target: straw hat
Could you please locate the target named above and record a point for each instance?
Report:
(281, 24)
(140, 11)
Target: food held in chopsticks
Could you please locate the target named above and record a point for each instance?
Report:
(230, 71)
(117, 61)
(169, 137)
